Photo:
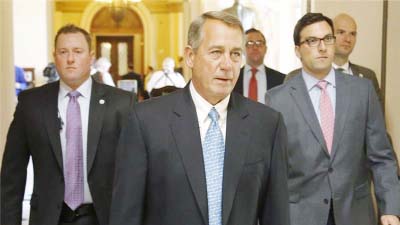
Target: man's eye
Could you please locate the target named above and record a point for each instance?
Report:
(216, 53)
(340, 32)
(328, 38)
(236, 54)
(312, 41)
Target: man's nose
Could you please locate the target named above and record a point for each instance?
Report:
(226, 62)
(322, 46)
(70, 58)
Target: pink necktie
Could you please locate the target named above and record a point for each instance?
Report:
(326, 114)
(253, 85)
(73, 171)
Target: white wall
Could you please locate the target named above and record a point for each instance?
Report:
(31, 36)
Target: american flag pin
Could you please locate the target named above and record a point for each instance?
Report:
(101, 101)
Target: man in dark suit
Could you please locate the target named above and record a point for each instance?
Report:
(212, 156)
(73, 154)
(337, 142)
(346, 38)
(131, 75)
(255, 78)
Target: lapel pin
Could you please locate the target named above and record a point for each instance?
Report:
(101, 101)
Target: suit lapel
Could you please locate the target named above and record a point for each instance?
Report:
(52, 120)
(354, 69)
(343, 98)
(95, 124)
(302, 99)
(237, 138)
(185, 129)
(239, 83)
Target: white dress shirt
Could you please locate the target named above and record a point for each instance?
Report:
(261, 82)
(315, 92)
(346, 67)
(84, 103)
(203, 108)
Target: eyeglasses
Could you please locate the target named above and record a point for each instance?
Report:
(314, 41)
(255, 43)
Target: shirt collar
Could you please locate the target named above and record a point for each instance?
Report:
(84, 89)
(311, 81)
(203, 107)
(260, 68)
(345, 66)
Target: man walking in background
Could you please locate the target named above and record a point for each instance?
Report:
(255, 78)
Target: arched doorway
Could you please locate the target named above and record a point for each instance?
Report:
(119, 41)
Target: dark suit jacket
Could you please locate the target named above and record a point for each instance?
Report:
(34, 132)
(160, 177)
(360, 152)
(138, 78)
(358, 71)
(274, 78)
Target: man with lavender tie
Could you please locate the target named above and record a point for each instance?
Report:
(70, 128)
(337, 142)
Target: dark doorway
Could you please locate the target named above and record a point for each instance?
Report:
(119, 50)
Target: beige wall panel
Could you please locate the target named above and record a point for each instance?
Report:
(7, 93)
(392, 74)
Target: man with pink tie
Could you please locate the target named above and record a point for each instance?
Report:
(337, 142)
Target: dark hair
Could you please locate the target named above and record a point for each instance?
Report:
(308, 19)
(71, 28)
(254, 30)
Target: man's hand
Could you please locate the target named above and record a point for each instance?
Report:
(390, 220)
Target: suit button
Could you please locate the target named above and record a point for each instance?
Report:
(326, 201)
(330, 170)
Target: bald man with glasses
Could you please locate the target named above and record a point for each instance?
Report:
(255, 78)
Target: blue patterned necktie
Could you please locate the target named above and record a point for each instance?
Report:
(213, 154)
(73, 171)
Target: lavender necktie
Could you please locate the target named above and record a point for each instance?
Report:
(73, 171)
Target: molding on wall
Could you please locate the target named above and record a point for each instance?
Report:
(384, 51)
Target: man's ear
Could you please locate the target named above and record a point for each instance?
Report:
(297, 51)
(189, 56)
(92, 56)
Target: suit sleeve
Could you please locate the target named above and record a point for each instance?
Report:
(275, 210)
(376, 86)
(127, 207)
(13, 171)
(382, 159)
